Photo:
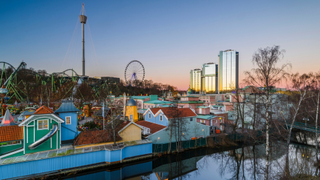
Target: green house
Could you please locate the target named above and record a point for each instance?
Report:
(41, 131)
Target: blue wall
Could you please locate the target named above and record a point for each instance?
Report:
(69, 131)
(72, 161)
(156, 120)
(192, 129)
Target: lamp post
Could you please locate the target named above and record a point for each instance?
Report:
(305, 122)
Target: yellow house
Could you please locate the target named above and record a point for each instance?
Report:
(131, 110)
(130, 132)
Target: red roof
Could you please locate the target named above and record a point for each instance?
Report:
(43, 110)
(11, 133)
(122, 125)
(152, 126)
(174, 112)
(95, 137)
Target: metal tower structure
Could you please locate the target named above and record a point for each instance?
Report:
(83, 20)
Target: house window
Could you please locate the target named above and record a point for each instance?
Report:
(68, 119)
(10, 143)
(161, 117)
(43, 124)
(190, 119)
(149, 115)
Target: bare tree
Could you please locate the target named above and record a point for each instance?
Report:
(113, 117)
(177, 127)
(267, 74)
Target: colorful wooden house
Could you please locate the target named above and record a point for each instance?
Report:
(68, 112)
(164, 116)
(11, 141)
(42, 131)
(11, 136)
(129, 131)
(131, 110)
(125, 131)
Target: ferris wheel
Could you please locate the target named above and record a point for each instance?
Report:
(134, 71)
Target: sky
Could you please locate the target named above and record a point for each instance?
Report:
(168, 37)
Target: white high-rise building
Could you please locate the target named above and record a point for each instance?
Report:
(228, 70)
(195, 80)
(210, 77)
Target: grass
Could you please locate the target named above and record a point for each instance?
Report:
(130, 143)
(68, 152)
(52, 154)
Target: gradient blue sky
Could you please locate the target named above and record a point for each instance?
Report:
(169, 37)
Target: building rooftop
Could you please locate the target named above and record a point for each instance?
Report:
(43, 110)
(7, 119)
(202, 107)
(205, 116)
(191, 102)
(131, 102)
(25, 113)
(95, 137)
(11, 133)
(152, 126)
(139, 97)
(157, 102)
(174, 112)
(67, 106)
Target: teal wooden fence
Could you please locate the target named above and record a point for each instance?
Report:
(201, 142)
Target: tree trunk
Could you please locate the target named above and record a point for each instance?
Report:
(267, 133)
(267, 147)
(317, 116)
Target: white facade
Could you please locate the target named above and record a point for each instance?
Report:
(209, 77)
(228, 70)
(195, 80)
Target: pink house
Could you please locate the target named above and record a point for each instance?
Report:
(208, 100)
(202, 110)
(191, 102)
(209, 120)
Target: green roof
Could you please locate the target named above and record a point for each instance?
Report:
(191, 102)
(166, 105)
(202, 107)
(139, 97)
(157, 102)
(191, 96)
(205, 116)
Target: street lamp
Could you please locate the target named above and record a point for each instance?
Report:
(305, 119)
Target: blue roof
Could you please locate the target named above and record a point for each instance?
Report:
(131, 102)
(67, 106)
(25, 113)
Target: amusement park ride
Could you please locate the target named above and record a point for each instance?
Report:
(19, 84)
(134, 71)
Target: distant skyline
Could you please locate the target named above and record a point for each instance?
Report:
(169, 37)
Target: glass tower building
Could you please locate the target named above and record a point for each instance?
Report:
(210, 77)
(195, 80)
(228, 70)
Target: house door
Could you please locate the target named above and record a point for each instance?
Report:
(131, 117)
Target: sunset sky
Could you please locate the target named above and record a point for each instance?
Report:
(169, 37)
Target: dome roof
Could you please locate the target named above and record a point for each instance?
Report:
(131, 102)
